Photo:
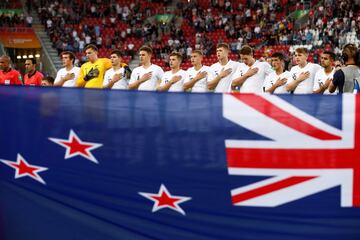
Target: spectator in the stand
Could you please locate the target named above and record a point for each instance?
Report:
(92, 72)
(275, 82)
(303, 74)
(47, 81)
(251, 73)
(8, 76)
(324, 76)
(346, 78)
(199, 75)
(147, 76)
(224, 70)
(67, 75)
(29, 21)
(173, 80)
(32, 77)
(115, 77)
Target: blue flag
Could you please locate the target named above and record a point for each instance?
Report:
(98, 164)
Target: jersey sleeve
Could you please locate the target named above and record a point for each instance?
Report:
(18, 79)
(267, 69)
(316, 85)
(107, 63)
(187, 76)
(133, 76)
(80, 82)
(339, 79)
(39, 78)
(292, 75)
(210, 74)
(267, 82)
(76, 73)
(160, 74)
(317, 67)
(106, 78)
(58, 77)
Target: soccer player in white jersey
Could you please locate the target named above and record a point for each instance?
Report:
(324, 76)
(224, 70)
(115, 77)
(147, 76)
(173, 80)
(251, 73)
(275, 82)
(67, 75)
(198, 76)
(303, 74)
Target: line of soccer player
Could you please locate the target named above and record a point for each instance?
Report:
(248, 76)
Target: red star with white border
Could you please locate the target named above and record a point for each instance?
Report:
(75, 147)
(163, 199)
(23, 169)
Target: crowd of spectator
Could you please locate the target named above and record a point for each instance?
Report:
(195, 24)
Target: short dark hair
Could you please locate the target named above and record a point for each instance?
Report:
(223, 45)
(246, 50)
(71, 55)
(33, 60)
(117, 52)
(91, 46)
(331, 54)
(176, 54)
(147, 49)
(278, 55)
(49, 79)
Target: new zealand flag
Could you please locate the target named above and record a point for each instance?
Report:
(97, 164)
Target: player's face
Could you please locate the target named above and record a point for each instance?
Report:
(221, 53)
(115, 60)
(144, 57)
(247, 59)
(174, 62)
(66, 61)
(325, 60)
(195, 59)
(300, 58)
(276, 63)
(29, 66)
(91, 54)
(4, 64)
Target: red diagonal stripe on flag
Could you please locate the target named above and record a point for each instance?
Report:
(269, 188)
(264, 106)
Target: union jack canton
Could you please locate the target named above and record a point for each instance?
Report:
(305, 155)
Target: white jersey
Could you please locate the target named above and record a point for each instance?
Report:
(121, 84)
(202, 84)
(320, 79)
(255, 83)
(178, 86)
(224, 84)
(62, 73)
(273, 77)
(151, 84)
(307, 85)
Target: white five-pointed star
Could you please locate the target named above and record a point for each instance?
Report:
(75, 147)
(23, 169)
(163, 199)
